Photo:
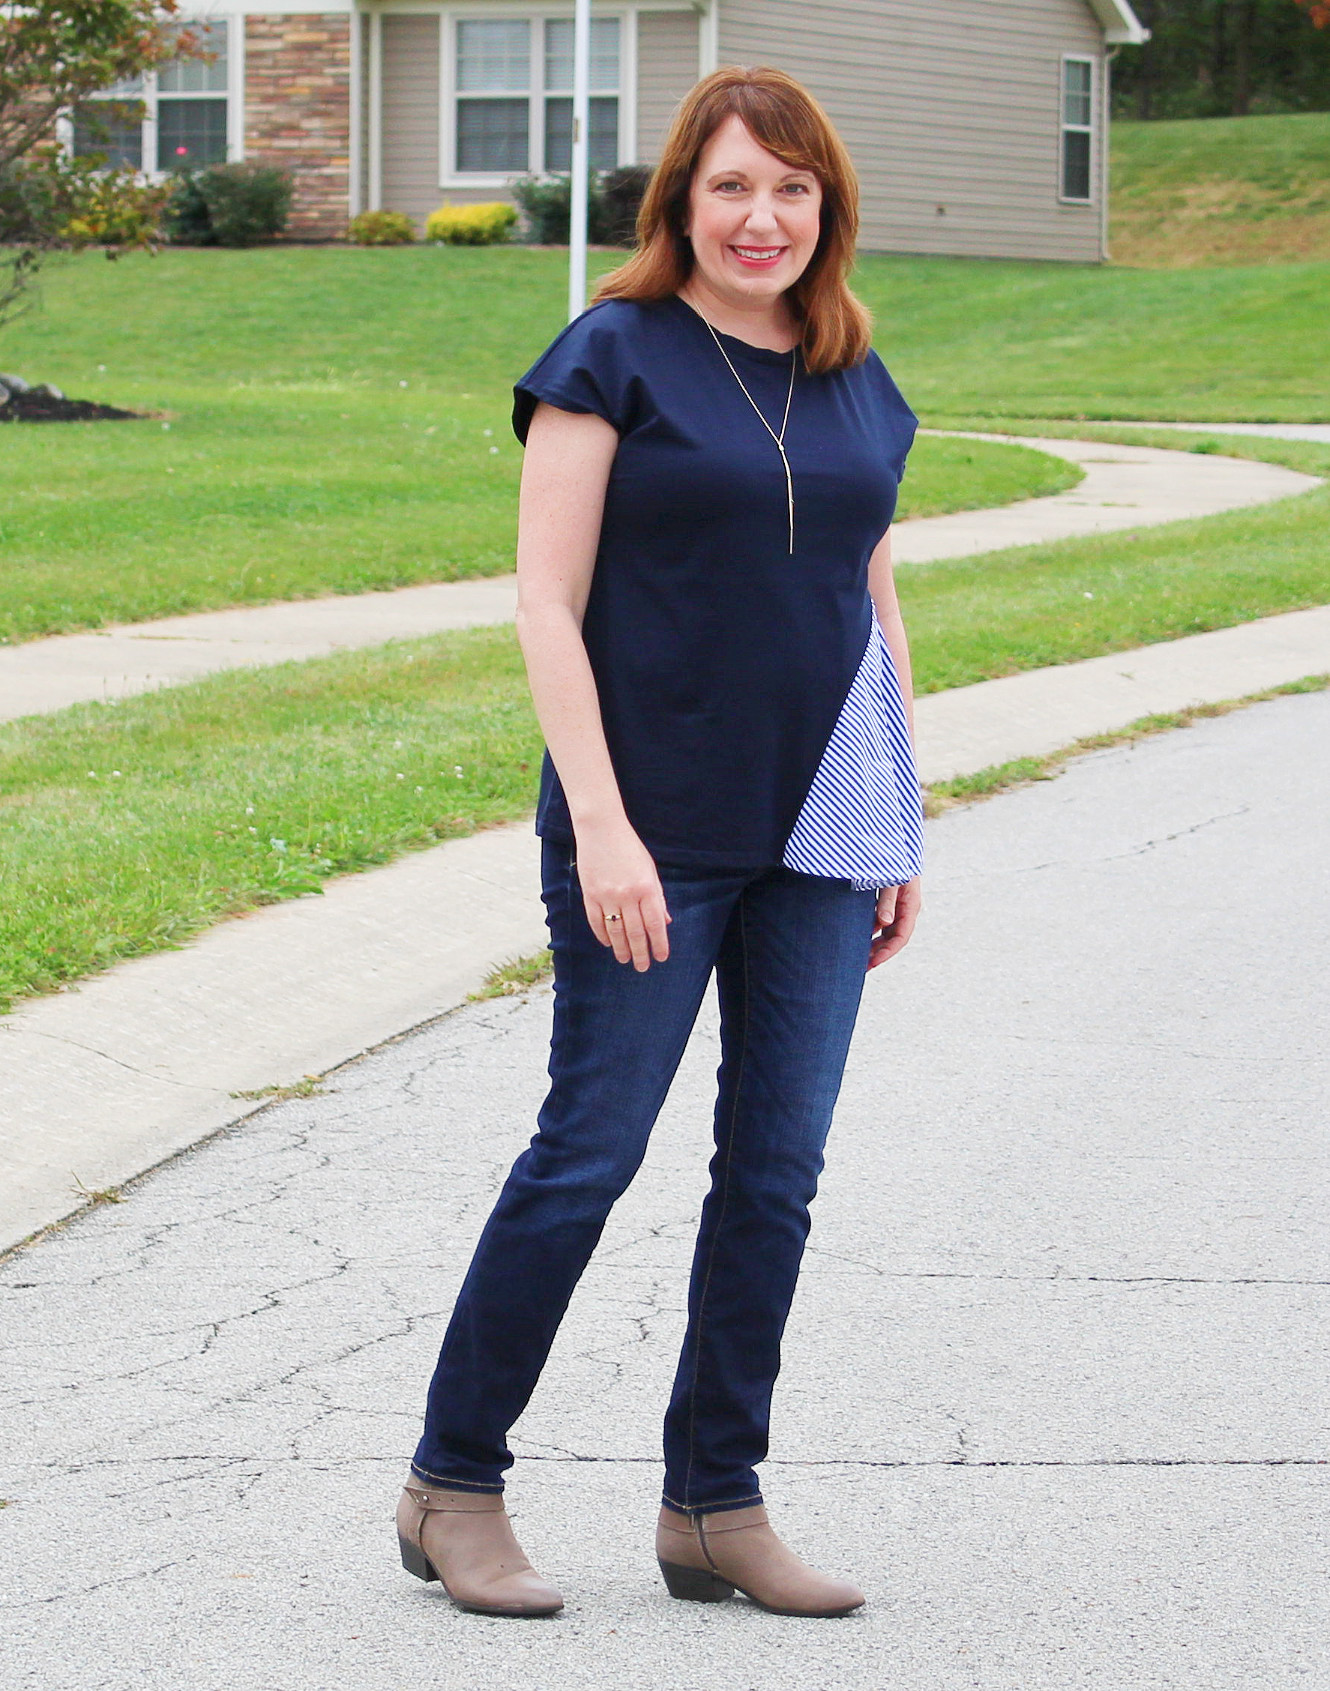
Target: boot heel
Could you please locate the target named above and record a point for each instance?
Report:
(695, 1585)
(415, 1561)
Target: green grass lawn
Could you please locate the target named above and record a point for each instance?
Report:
(994, 338)
(124, 828)
(1228, 190)
(297, 462)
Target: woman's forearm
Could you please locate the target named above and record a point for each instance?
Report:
(563, 691)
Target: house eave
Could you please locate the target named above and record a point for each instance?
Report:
(1121, 26)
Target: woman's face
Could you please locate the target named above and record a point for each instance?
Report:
(753, 220)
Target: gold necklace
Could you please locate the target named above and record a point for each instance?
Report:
(784, 422)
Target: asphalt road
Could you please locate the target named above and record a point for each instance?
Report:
(1056, 1380)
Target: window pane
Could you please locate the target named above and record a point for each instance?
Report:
(1075, 164)
(1076, 97)
(604, 53)
(111, 127)
(492, 135)
(603, 137)
(190, 133)
(493, 54)
(198, 76)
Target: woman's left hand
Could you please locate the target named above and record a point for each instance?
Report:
(897, 912)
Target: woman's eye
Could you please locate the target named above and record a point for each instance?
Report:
(796, 187)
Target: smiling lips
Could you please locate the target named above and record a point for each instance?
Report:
(764, 257)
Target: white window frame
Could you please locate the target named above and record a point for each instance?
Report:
(449, 175)
(1064, 128)
(233, 94)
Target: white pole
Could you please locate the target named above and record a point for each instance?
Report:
(580, 158)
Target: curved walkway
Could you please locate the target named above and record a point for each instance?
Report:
(1123, 487)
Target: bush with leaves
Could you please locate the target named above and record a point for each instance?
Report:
(620, 193)
(50, 200)
(547, 203)
(381, 229)
(228, 205)
(613, 197)
(471, 226)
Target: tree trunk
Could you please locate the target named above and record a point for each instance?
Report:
(1145, 86)
(1244, 22)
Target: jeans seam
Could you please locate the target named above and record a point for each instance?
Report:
(709, 1508)
(724, 1203)
(447, 1480)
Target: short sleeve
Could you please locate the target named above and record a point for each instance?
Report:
(896, 420)
(586, 368)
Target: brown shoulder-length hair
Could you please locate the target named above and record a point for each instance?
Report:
(784, 118)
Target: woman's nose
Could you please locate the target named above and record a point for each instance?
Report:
(761, 216)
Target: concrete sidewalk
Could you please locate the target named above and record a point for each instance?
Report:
(104, 1080)
(1124, 487)
(1317, 432)
(1055, 1379)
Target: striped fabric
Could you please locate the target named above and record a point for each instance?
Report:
(862, 820)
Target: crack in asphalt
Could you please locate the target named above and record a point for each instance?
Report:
(1064, 1279)
(86, 1590)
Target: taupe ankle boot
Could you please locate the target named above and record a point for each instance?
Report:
(464, 1540)
(707, 1558)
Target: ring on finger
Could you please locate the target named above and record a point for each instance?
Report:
(614, 917)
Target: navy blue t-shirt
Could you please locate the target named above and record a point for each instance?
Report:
(721, 661)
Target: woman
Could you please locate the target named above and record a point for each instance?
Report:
(719, 668)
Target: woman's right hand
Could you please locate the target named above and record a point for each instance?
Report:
(619, 878)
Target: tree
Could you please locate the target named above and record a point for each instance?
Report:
(54, 54)
(1215, 58)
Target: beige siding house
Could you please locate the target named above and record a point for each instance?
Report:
(978, 129)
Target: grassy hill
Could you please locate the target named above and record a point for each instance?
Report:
(1227, 190)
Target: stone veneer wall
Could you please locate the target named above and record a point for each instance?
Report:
(298, 112)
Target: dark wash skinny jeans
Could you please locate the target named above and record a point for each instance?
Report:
(789, 952)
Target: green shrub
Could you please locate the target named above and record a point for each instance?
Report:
(187, 221)
(229, 205)
(49, 200)
(381, 229)
(471, 226)
(613, 197)
(620, 193)
(31, 205)
(547, 202)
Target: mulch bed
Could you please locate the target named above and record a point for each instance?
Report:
(41, 408)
